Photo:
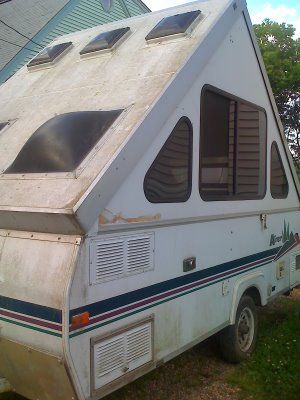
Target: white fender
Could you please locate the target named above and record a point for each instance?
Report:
(241, 285)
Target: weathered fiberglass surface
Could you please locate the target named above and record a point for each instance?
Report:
(131, 78)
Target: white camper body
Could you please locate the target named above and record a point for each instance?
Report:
(100, 282)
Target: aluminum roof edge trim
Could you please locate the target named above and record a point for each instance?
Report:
(173, 91)
(65, 211)
(40, 221)
(271, 98)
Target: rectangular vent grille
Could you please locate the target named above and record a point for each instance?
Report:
(293, 265)
(295, 262)
(121, 354)
(117, 258)
(295, 269)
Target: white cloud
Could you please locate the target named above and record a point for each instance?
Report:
(279, 14)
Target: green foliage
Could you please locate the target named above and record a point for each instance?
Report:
(286, 234)
(273, 371)
(281, 54)
(297, 166)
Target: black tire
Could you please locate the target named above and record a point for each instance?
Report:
(238, 341)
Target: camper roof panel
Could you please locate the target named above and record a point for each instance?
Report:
(62, 143)
(49, 54)
(105, 41)
(173, 25)
(136, 77)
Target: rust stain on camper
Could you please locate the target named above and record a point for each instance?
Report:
(107, 217)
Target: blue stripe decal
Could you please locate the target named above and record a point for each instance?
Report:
(101, 307)
(34, 310)
(156, 303)
(141, 294)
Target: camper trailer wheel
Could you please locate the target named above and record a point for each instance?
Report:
(238, 341)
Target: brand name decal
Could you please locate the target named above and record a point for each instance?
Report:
(275, 239)
(286, 235)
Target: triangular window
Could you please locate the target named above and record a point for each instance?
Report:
(169, 179)
(279, 183)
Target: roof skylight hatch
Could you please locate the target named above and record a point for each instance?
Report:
(62, 143)
(49, 56)
(105, 41)
(178, 25)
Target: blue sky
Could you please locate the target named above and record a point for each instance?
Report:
(277, 10)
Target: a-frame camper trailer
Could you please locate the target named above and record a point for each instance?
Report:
(147, 200)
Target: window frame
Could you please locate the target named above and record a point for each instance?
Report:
(275, 144)
(190, 170)
(236, 99)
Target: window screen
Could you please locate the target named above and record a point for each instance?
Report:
(233, 148)
(49, 54)
(104, 41)
(279, 183)
(63, 142)
(169, 178)
(173, 25)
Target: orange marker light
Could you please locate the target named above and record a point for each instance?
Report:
(78, 321)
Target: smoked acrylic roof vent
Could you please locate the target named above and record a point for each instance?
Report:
(3, 125)
(63, 142)
(49, 55)
(173, 25)
(105, 41)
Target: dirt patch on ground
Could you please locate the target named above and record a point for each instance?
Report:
(295, 295)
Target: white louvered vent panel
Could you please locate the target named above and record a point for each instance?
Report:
(109, 360)
(116, 258)
(122, 354)
(139, 346)
(295, 269)
(107, 260)
(293, 265)
(140, 253)
(297, 262)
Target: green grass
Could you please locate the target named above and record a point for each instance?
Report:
(273, 372)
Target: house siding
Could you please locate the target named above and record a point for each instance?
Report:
(76, 15)
(26, 16)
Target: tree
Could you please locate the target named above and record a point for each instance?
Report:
(281, 53)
